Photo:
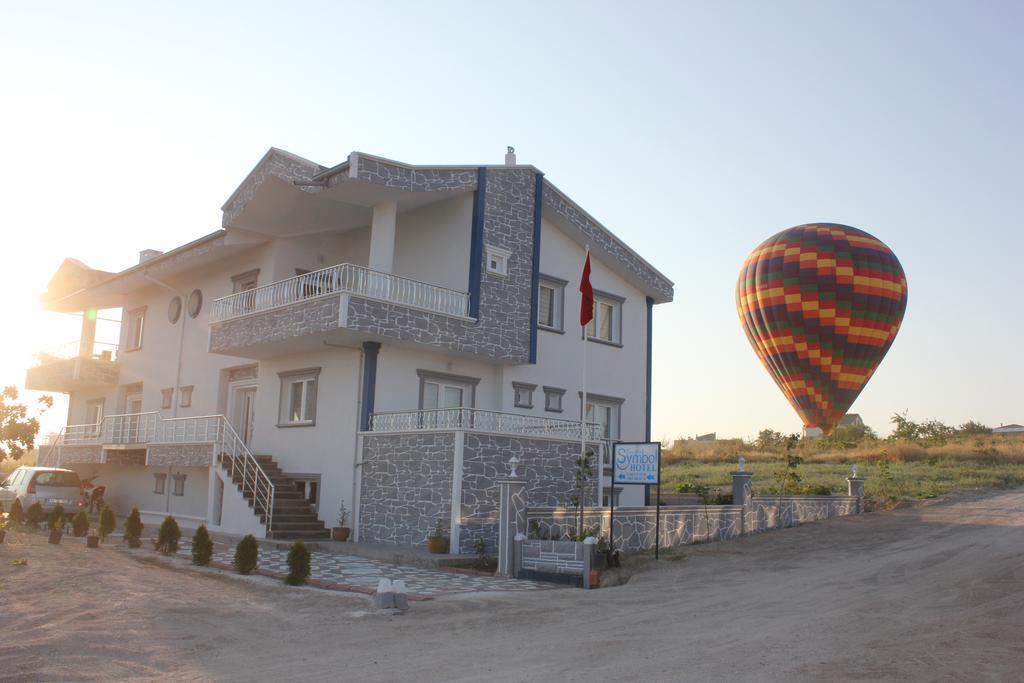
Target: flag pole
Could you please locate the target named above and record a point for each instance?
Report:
(583, 416)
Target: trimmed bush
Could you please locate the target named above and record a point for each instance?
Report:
(34, 515)
(108, 522)
(298, 564)
(133, 527)
(247, 553)
(17, 513)
(80, 524)
(202, 547)
(167, 536)
(57, 518)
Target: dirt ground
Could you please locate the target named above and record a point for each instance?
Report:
(934, 592)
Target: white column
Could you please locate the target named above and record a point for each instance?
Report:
(382, 237)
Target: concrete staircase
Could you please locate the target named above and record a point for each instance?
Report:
(294, 517)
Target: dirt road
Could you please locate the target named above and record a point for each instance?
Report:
(929, 593)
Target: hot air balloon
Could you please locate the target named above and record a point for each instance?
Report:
(821, 305)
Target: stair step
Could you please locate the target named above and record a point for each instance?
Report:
(298, 526)
(295, 535)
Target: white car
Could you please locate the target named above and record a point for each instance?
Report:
(46, 485)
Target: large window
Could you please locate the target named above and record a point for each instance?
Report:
(605, 411)
(134, 323)
(550, 300)
(298, 397)
(439, 390)
(606, 326)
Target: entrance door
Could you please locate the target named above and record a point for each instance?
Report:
(131, 425)
(243, 409)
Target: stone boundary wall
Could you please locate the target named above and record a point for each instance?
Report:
(687, 524)
(71, 455)
(180, 454)
(405, 486)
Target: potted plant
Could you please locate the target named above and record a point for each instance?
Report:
(56, 523)
(92, 539)
(437, 542)
(342, 531)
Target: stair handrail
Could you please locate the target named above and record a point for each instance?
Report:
(253, 474)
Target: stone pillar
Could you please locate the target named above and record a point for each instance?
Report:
(382, 237)
(511, 521)
(857, 490)
(741, 495)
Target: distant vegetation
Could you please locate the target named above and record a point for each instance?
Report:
(918, 460)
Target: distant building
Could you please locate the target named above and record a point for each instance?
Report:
(1009, 430)
(706, 437)
(849, 420)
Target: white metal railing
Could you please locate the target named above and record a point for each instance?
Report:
(98, 350)
(483, 421)
(150, 428)
(342, 278)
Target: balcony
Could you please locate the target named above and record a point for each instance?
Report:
(471, 419)
(343, 304)
(72, 367)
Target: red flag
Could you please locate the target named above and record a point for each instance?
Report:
(587, 304)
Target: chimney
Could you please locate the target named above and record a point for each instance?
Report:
(148, 254)
(510, 156)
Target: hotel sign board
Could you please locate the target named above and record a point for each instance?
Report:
(636, 463)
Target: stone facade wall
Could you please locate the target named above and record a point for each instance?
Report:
(80, 454)
(404, 177)
(406, 486)
(598, 235)
(67, 373)
(277, 163)
(180, 454)
(295, 320)
(548, 465)
(772, 512)
(135, 456)
(558, 557)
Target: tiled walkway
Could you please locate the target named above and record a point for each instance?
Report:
(363, 573)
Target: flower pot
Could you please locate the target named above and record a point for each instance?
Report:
(55, 535)
(437, 545)
(92, 541)
(340, 533)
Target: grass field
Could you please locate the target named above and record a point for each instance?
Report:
(914, 471)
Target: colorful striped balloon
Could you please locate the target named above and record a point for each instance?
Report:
(821, 305)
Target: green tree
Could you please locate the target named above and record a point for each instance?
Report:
(108, 522)
(903, 428)
(80, 524)
(167, 536)
(34, 515)
(247, 555)
(202, 547)
(57, 517)
(17, 430)
(973, 428)
(133, 527)
(769, 440)
(298, 564)
(17, 513)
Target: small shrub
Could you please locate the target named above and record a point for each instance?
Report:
(818, 490)
(108, 522)
(34, 515)
(202, 547)
(17, 513)
(298, 564)
(57, 518)
(247, 553)
(80, 524)
(167, 536)
(133, 527)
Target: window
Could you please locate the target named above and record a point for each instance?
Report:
(135, 322)
(604, 410)
(523, 394)
(179, 484)
(298, 397)
(245, 281)
(195, 303)
(497, 259)
(606, 325)
(159, 483)
(553, 399)
(174, 310)
(439, 391)
(185, 396)
(550, 300)
(166, 398)
(94, 411)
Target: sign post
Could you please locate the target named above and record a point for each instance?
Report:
(638, 464)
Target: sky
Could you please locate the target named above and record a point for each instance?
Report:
(692, 130)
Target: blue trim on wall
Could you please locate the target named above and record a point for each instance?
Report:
(650, 372)
(476, 245)
(538, 205)
(369, 388)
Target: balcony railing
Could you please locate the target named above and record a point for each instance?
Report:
(98, 351)
(142, 429)
(483, 421)
(344, 278)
